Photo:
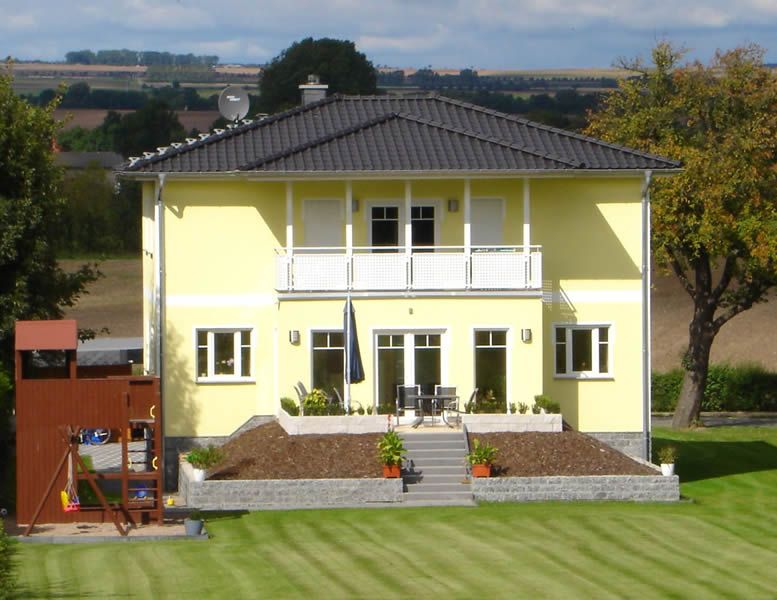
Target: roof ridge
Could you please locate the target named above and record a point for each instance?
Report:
(408, 117)
(556, 130)
(491, 139)
(318, 141)
(235, 131)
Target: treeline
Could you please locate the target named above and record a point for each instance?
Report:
(566, 108)
(469, 79)
(126, 57)
(81, 95)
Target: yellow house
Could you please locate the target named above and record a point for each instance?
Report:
(480, 250)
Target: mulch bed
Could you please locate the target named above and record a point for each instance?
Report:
(268, 452)
(534, 454)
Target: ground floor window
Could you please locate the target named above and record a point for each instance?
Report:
(223, 354)
(328, 361)
(582, 349)
(491, 368)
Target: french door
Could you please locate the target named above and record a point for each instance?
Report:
(411, 357)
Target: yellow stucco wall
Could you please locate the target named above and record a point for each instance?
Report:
(220, 271)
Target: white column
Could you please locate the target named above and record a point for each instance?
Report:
(467, 229)
(349, 230)
(289, 218)
(408, 221)
(526, 216)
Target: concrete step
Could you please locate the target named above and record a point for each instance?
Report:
(435, 495)
(413, 445)
(426, 477)
(422, 502)
(440, 436)
(433, 461)
(436, 452)
(442, 489)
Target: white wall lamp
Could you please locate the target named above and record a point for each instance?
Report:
(453, 205)
(294, 336)
(355, 205)
(526, 335)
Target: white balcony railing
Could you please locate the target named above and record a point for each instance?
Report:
(392, 269)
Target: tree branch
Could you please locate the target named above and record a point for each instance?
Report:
(680, 272)
(744, 303)
(725, 278)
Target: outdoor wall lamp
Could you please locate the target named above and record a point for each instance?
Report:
(294, 336)
(526, 335)
(453, 205)
(355, 205)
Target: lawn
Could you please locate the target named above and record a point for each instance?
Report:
(723, 543)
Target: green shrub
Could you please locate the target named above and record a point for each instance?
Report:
(551, 406)
(7, 564)
(486, 402)
(744, 387)
(523, 408)
(204, 458)
(317, 404)
(391, 449)
(481, 454)
(290, 406)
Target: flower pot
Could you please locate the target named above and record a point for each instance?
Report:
(667, 469)
(391, 471)
(198, 474)
(481, 470)
(193, 526)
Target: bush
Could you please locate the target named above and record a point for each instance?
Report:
(744, 387)
(290, 406)
(7, 564)
(551, 406)
(205, 458)
(486, 402)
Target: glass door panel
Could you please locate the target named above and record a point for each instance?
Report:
(391, 370)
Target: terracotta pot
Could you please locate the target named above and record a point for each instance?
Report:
(481, 470)
(391, 471)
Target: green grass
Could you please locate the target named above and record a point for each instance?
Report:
(723, 543)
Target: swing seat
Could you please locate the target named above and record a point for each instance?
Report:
(69, 504)
(73, 507)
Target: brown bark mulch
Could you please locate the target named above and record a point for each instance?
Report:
(268, 452)
(535, 454)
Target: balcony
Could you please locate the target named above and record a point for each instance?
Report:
(428, 268)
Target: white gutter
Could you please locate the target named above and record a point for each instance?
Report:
(646, 331)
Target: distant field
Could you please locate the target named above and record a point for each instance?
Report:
(92, 117)
(115, 302)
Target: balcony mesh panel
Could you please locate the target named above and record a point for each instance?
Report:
(439, 271)
(382, 271)
(321, 272)
(498, 270)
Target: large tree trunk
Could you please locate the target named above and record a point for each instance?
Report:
(697, 360)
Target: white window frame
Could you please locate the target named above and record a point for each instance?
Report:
(313, 347)
(235, 330)
(508, 331)
(593, 373)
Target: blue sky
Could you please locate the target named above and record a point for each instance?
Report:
(483, 34)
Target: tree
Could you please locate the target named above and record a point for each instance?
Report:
(714, 224)
(336, 62)
(32, 286)
(156, 124)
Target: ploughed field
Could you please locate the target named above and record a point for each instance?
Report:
(268, 452)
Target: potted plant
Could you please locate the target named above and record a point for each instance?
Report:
(193, 523)
(391, 451)
(202, 459)
(667, 456)
(481, 457)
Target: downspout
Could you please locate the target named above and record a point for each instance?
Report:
(159, 282)
(646, 331)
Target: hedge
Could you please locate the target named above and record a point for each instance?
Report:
(744, 387)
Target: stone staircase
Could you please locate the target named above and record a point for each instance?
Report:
(435, 473)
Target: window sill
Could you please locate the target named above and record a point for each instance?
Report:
(585, 376)
(211, 380)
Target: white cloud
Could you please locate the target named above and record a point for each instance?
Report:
(405, 43)
(20, 22)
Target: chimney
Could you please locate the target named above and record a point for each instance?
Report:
(313, 90)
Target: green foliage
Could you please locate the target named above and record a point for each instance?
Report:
(156, 124)
(719, 216)
(195, 515)
(486, 403)
(481, 454)
(32, 286)
(291, 407)
(667, 454)
(7, 564)
(551, 406)
(391, 449)
(523, 408)
(336, 62)
(745, 387)
(205, 458)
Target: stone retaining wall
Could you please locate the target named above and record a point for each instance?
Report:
(263, 494)
(634, 488)
(333, 424)
(492, 423)
(629, 443)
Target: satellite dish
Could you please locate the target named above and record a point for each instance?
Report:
(233, 103)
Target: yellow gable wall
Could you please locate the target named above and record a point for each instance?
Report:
(220, 271)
